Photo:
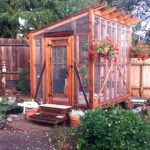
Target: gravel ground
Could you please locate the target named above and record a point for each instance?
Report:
(26, 136)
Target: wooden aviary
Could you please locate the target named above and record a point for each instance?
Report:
(70, 77)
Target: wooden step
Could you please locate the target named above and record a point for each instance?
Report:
(51, 113)
(47, 118)
(54, 109)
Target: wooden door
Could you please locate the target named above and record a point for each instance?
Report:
(59, 70)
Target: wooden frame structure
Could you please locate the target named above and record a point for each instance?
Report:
(60, 69)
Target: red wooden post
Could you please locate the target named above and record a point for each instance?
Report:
(91, 61)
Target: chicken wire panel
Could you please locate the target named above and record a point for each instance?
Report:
(82, 25)
(38, 66)
(82, 64)
(65, 27)
(119, 34)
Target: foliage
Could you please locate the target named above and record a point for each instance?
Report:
(5, 105)
(84, 76)
(105, 48)
(114, 129)
(22, 16)
(139, 51)
(63, 138)
(23, 83)
(139, 8)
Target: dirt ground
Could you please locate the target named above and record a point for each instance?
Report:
(24, 135)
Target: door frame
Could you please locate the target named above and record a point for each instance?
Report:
(70, 61)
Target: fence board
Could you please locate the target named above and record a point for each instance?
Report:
(140, 77)
(15, 52)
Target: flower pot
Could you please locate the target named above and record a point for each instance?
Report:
(74, 122)
(31, 111)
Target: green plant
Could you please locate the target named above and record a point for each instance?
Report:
(114, 129)
(63, 138)
(105, 48)
(139, 50)
(83, 70)
(84, 76)
(23, 84)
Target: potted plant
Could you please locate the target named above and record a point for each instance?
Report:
(139, 51)
(104, 48)
(75, 116)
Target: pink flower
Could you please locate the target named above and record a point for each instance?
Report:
(108, 39)
(139, 43)
(131, 48)
(91, 54)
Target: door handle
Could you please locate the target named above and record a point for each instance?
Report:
(68, 68)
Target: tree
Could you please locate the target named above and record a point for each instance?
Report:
(141, 9)
(22, 16)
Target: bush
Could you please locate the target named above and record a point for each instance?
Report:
(23, 84)
(63, 138)
(114, 129)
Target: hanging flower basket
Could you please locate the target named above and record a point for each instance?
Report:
(139, 51)
(106, 49)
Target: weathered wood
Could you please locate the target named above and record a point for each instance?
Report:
(140, 84)
(15, 53)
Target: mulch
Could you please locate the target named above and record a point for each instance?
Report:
(25, 135)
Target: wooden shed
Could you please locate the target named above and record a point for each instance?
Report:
(61, 71)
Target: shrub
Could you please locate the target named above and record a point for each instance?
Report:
(114, 129)
(23, 84)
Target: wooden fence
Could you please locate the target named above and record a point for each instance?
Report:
(15, 53)
(140, 78)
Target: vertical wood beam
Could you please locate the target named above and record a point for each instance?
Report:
(77, 63)
(48, 70)
(91, 61)
(141, 80)
(129, 44)
(32, 65)
(129, 104)
(43, 61)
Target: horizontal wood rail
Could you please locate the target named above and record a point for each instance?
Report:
(108, 11)
(9, 72)
(14, 45)
(116, 14)
(113, 101)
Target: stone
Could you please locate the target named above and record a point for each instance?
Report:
(9, 119)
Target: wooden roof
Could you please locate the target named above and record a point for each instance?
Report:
(100, 10)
